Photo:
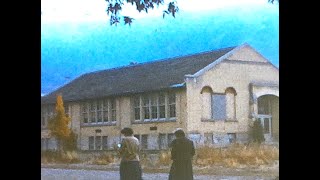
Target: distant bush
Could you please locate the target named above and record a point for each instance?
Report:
(256, 132)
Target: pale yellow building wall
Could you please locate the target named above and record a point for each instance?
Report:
(236, 74)
(247, 54)
(125, 117)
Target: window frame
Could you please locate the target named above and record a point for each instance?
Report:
(150, 102)
(107, 111)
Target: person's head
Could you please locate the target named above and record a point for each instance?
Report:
(127, 131)
(179, 133)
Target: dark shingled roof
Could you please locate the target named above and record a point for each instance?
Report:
(150, 76)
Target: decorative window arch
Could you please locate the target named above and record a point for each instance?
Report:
(206, 96)
(231, 103)
(218, 106)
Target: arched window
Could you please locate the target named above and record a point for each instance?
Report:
(231, 103)
(206, 94)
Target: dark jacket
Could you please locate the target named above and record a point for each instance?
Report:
(182, 151)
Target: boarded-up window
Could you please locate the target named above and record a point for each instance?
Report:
(219, 106)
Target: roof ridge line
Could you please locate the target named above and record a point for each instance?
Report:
(158, 60)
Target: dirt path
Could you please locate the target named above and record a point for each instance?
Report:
(78, 174)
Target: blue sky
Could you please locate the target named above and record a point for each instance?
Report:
(76, 37)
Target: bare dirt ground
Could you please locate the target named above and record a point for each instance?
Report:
(73, 174)
(110, 172)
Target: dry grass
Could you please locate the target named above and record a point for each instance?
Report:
(164, 158)
(234, 156)
(237, 155)
(66, 157)
(104, 159)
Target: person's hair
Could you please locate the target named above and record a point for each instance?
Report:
(179, 133)
(127, 131)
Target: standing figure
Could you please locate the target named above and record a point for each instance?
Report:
(182, 151)
(130, 168)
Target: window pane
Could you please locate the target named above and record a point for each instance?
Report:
(92, 117)
(84, 108)
(219, 107)
(162, 110)
(99, 116)
(105, 109)
(98, 142)
(172, 98)
(113, 103)
(105, 142)
(92, 106)
(146, 106)
(146, 112)
(145, 101)
(263, 105)
(114, 115)
(99, 106)
(144, 141)
(85, 117)
(113, 110)
(154, 112)
(266, 125)
(172, 105)
(172, 110)
(171, 137)
(105, 105)
(136, 113)
(162, 141)
(91, 143)
(154, 107)
(162, 99)
(136, 101)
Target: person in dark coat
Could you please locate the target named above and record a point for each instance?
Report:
(182, 151)
(130, 168)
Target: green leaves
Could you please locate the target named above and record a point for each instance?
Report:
(114, 8)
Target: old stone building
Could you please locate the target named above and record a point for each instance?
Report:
(214, 96)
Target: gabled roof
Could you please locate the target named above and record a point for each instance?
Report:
(151, 76)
